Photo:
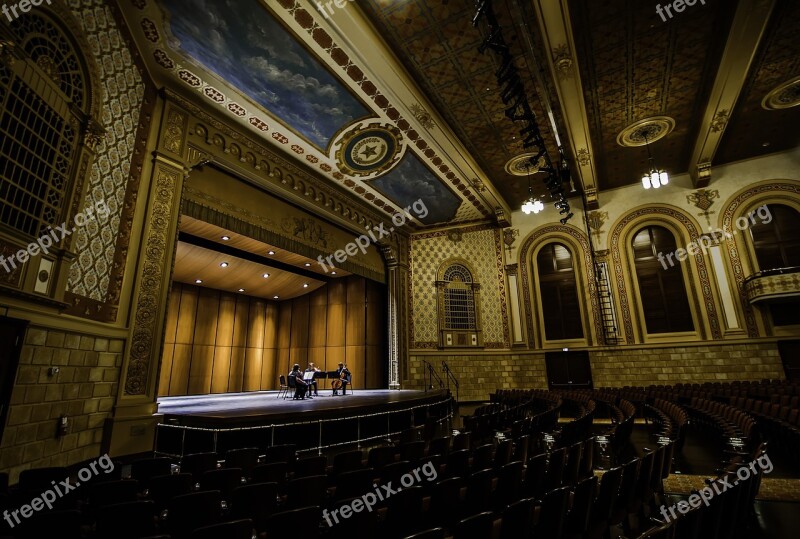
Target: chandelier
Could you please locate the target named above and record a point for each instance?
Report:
(653, 178)
(533, 204)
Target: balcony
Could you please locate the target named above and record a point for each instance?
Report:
(773, 285)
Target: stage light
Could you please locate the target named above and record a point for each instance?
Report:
(223, 265)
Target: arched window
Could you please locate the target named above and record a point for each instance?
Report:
(561, 310)
(459, 321)
(776, 243)
(661, 289)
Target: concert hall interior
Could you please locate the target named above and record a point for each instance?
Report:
(402, 268)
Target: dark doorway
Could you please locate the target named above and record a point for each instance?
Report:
(790, 356)
(12, 335)
(568, 370)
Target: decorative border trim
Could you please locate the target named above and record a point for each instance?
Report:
(703, 274)
(533, 240)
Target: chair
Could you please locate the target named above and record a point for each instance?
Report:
(552, 515)
(555, 469)
(274, 472)
(165, 487)
(316, 465)
(573, 469)
(475, 527)
(306, 492)
(283, 387)
(223, 480)
(434, 533)
(143, 469)
(191, 511)
(502, 454)
(509, 484)
(482, 457)
(363, 523)
(379, 457)
(446, 507)
(439, 446)
(457, 464)
(46, 524)
(518, 519)
(282, 453)
(198, 463)
(245, 458)
(256, 502)
(577, 521)
(111, 492)
(354, 483)
(284, 524)
(479, 491)
(126, 520)
(403, 508)
(237, 529)
(347, 461)
(535, 474)
(412, 451)
(604, 502)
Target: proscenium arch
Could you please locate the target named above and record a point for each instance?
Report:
(578, 243)
(696, 272)
(740, 261)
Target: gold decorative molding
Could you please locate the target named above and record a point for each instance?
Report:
(784, 96)
(153, 279)
(562, 59)
(645, 131)
(720, 120)
(764, 289)
(510, 236)
(423, 116)
(583, 157)
(175, 131)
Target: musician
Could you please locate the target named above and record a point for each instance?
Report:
(300, 385)
(313, 383)
(341, 380)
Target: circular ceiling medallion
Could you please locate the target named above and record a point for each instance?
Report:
(519, 165)
(784, 96)
(645, 131)
(369, 151)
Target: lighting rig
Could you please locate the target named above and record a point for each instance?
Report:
(512, 92)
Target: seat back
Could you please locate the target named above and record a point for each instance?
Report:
(518, 519)
(306, 491)
(163, 488)
(475, 527)
(236, 529)
(198, 463)
(347, 461)
(552, 516)
(244, 458)
(190, 511)
(578, 517)
(126, 520)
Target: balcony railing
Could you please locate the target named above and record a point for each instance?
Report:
(773, 284)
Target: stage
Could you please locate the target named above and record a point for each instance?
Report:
(259, 419)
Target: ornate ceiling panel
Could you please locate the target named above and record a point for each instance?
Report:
(275, 71)
(751, 126)
(635, 66)
(439, 46)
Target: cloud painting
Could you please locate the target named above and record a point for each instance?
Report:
(242, 43)
(411, 180)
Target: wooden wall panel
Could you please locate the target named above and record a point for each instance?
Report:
(269, 370)
(200, 371)
(227, 314)
(235, 380)
(240, 322)
(205, 327)
(223, 342)
(181, 362)
(222, 369)
(186, 316)
(252, 369)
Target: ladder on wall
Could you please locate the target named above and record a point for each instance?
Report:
(607, 315)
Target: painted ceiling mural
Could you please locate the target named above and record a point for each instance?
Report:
(278, 74)
(256, 54)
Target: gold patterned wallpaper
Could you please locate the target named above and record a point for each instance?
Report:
(476, 245)
(95, 274)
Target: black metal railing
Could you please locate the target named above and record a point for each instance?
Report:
(430, 376)
(450, 377)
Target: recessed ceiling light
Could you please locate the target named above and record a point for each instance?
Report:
(274, 297)
(271, 253)
(241, 290)
(305, 285)
(198, 281)
(333, 273)
(266, 275)
(225, 238)
(307, 264)
(223, 265)
(765, 144)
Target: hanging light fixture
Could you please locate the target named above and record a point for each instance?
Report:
(653, 178)
(532, 205)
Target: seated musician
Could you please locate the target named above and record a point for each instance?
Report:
(300, 385)
(341, 380)
(312, 384)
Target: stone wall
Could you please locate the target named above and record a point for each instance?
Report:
(84, 390)
(481, 373)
